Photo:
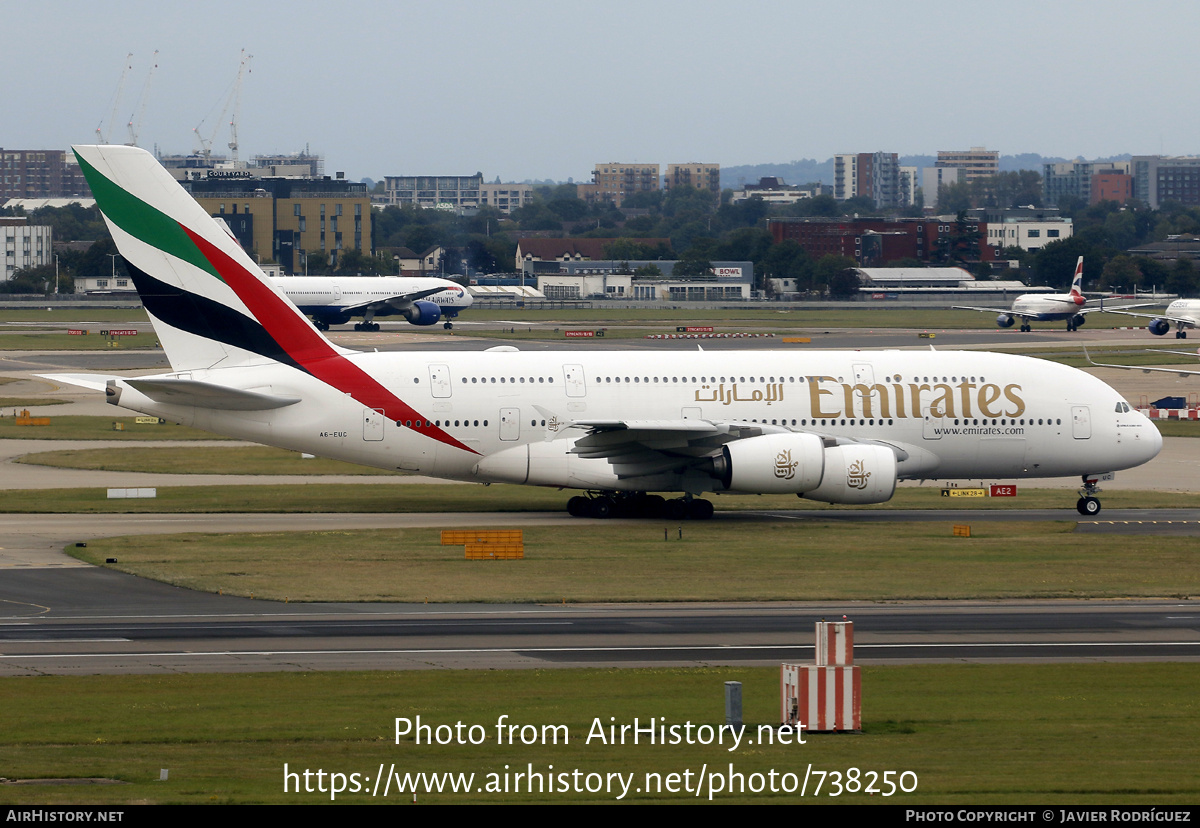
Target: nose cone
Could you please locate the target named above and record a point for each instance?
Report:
(1147, 442)
(1154, 441)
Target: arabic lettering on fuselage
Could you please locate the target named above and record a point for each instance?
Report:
(773, 393)
(829, 398)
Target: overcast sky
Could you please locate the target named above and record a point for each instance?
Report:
(546, 88)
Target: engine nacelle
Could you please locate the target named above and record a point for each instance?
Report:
(772, 464)
(423, 313)
(1159, 327)
(856, 474)
(1078, 319)
(1004, 320)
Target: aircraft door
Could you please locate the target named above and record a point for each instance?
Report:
(510, 423)
(576, 386)
(373, 421)
(439, 381)
(932, 425)
(1081, 422)
(864, 374)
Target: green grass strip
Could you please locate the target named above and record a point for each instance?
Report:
(809, 560)
(1057, 735)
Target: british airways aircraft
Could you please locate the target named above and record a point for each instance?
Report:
(1182, 313)
(333, 300)
(1030, 307)
(618, 426)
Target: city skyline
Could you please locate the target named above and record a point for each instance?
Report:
(539, 90)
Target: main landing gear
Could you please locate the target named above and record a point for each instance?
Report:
(1089, 504)
(369, 327)
(447, 325)
(638, 505)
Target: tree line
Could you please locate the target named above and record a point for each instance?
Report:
(701, 226)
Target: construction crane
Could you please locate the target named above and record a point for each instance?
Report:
(232, 99)
(135, 120)
(101, 133)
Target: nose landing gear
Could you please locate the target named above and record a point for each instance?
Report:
(1088, 504)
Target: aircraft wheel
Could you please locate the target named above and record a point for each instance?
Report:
(578, 507)
(676, 509)
(448, 325)
(601, 507)
(653, 506)
(1181, 334)
(1088, 506)
(358, 326)
(700, 510)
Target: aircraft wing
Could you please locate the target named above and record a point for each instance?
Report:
(643, 447)
(985, 310)
(1124, 310)
(400, 301)
(1146, 369)
(1166, 316)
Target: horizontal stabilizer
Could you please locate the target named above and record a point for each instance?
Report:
(96, 382)
(207, 395)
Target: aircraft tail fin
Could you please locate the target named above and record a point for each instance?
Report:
(209, 302)
(1077, 282)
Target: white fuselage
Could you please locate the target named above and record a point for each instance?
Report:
(1187, 311)
(947, 414)
(1046, 307)
(338, 292)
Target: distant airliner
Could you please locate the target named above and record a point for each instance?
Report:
(1041, 307)
(334, 300)
(1182, 313)
(830, 426)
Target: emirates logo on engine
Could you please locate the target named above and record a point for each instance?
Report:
(857, 475)
(785, 466)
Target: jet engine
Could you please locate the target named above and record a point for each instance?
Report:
(423, 313)
(1159, 327)
(1005, 321)
(772, 464)
(1078, 319)
(856, 474)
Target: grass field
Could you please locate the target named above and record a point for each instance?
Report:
(28, 402)
(440, 497)
(61, 341)
(76, 427)
(648, 561)
(1054, 734)
(193, 460)
(71, 314)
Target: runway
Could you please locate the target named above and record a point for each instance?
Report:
(97, 621)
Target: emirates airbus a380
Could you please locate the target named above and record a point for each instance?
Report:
(832, 426)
